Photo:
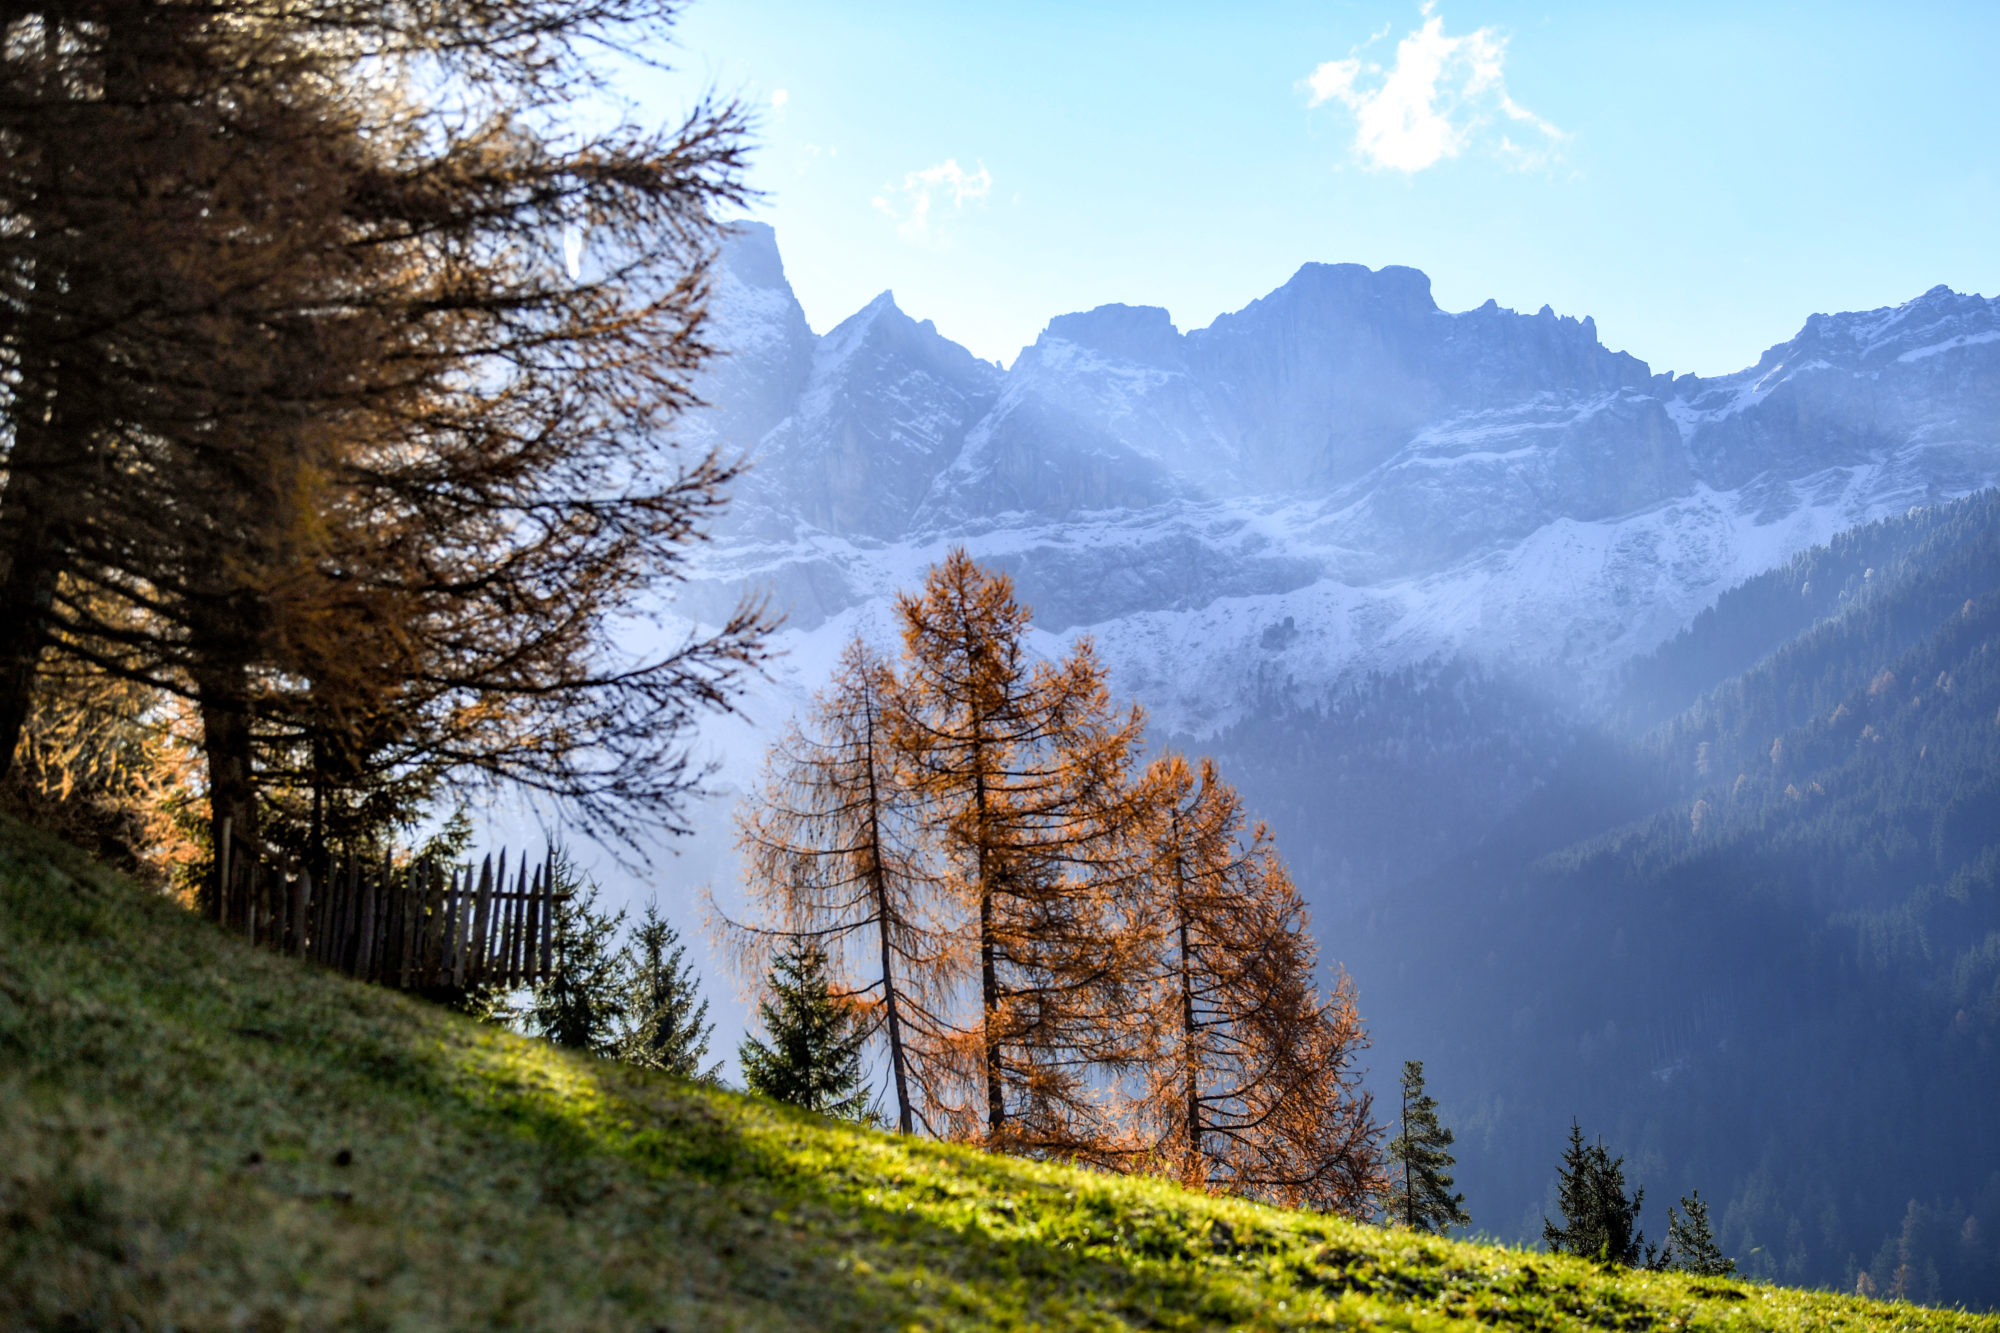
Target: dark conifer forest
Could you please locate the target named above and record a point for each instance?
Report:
(1749, 931)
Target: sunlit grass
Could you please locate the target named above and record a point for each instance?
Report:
(199, 1135)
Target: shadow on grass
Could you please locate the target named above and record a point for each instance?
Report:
(254, 1068)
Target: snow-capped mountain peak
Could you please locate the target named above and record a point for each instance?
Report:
(1389, 480)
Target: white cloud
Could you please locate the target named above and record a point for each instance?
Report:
(779, 98)
(1433, 102)
(926, 193)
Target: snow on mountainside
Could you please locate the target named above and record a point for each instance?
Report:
(1252, 519)
(1341, 460)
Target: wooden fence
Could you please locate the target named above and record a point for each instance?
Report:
(415, 927)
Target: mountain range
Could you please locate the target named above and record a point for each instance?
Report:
(1511, 640)
(1338, 478)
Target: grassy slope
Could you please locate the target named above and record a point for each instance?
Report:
(173, 1106)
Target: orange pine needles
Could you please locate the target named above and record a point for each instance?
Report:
(1067, 959)
(834, 854)
(1021, 768)
(1249, 1082)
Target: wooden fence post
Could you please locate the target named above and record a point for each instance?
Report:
(510, 937)
(302, 893)
(536, 918)
(482, 918)
(448, 935)
(434, 959)
(405, 928)
(250, 901)
(549, 888)
(364, 960)
(549, 915)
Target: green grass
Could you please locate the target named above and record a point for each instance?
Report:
(195, 1134)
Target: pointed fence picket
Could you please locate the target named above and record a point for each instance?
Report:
(420, 926)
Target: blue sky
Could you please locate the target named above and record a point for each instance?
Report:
(1698, 177)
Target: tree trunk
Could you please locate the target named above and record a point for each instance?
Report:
(896, 1057)
(1409, 1195)
(1190, 1057)
(881, 888)
(41, 474)
(989, 986)
(989, 970)
(27, 587)
(222, 685)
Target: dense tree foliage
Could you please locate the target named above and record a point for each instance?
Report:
(313, 417)
(1247, 1070)
(628, 995)
(1399, 771)
(583, 1004)
(1022, 766)
(1691, 1246)
(666, 1020)
(1600, 1221)
(1789, 900)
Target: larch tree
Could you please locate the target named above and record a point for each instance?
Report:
(1421, 1197)
(172, 201)
(1021, 767)
(835, 857)
(1249, 1082)
(312, 414)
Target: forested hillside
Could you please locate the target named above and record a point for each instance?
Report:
(1396, 775)
(1774, 974)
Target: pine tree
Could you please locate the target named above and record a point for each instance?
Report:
(666, 1020)
(813, 1057)
(581, 1004)
(1422, 1199)
(1599, 1221)
(1691, 1246)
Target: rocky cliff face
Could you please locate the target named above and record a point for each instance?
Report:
(1388, 481)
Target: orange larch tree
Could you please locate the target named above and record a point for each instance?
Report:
(1022, 767)
(310, 414)
(1249, 1083)
(834, 857)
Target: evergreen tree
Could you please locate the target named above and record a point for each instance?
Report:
(667, 1025)
(581, 1004)
(1422, 1199)
(1691, 1246)
(813, 1058)
(1599, 1221)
